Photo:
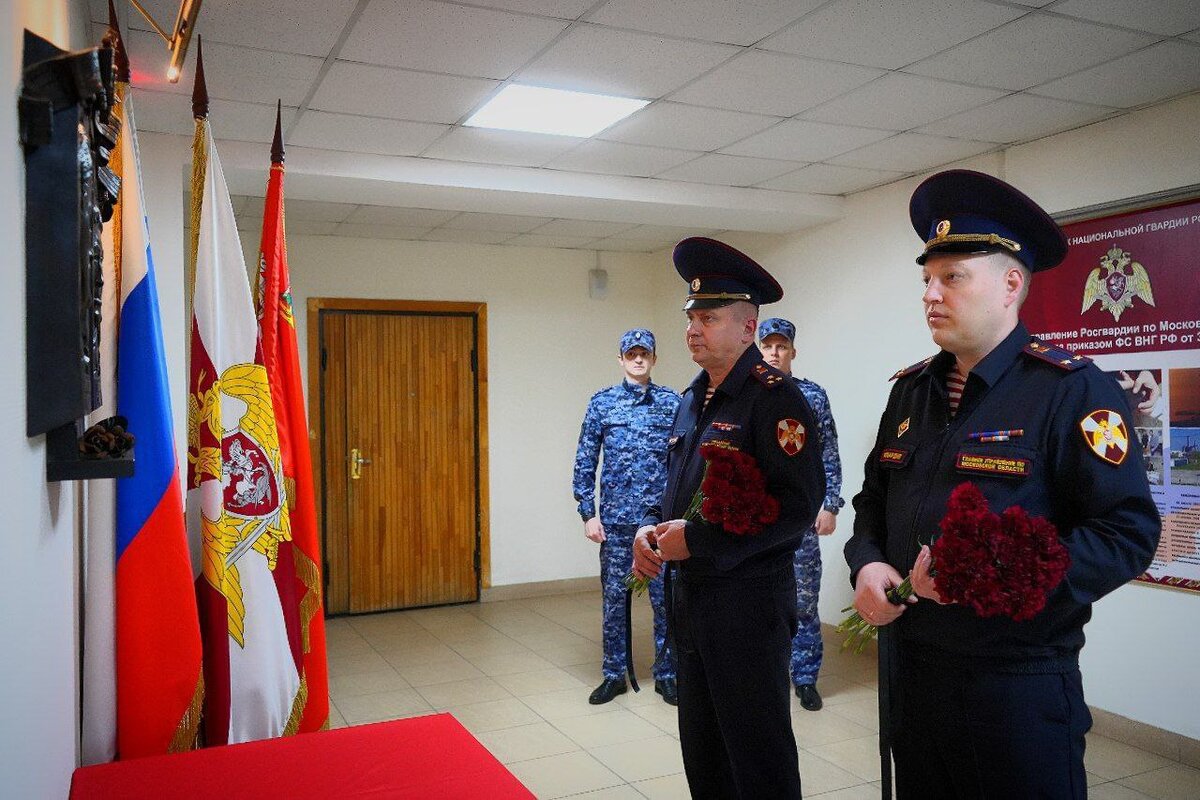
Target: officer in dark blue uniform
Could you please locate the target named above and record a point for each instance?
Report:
(992, 708)
(629, 423)
(733, 604)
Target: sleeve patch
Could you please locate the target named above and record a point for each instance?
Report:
(791, 435)
(1106, 436)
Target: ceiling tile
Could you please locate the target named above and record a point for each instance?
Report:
(615, 158)
(164, 112)
(500, 147)
(772, 83)
(828, 179)
(497, 223)
(440, 37)
(466, 237)
(303, 227)
(399, 94)
(898, 101)
(689, 127)
(285, 26)
(888, 35)
(622, 246)
(1032, 50)
(800, 140)
(596, 59)
(409, 217)
(1156, 73)
(1167, 17)
(742, 23)
(581, 227)
(231, 73)
(728, 170)
(388, 137)
(1017, 118)
(533, 240)
(911, 152)
(318, 211)
(350, 229)
(563, 9)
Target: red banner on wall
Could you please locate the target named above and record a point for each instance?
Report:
(1130, 284)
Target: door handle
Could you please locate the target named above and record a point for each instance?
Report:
(356, 463)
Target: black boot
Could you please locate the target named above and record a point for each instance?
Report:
(810, 698)
(667, 688)
(607, 691)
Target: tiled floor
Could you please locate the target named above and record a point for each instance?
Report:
(517, 674)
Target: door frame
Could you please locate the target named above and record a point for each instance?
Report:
(317, 306)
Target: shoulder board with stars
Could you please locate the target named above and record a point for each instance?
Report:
(920, 365)
(1063, 359)
(768, 376)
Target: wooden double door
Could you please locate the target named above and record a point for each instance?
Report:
(402, 452)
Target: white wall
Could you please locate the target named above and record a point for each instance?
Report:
(549, 348)
(39, 624)
(854, 293)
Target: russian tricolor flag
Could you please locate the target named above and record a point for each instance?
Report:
(158, 652)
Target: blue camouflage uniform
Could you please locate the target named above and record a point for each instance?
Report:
(807, 647)
(631, 424)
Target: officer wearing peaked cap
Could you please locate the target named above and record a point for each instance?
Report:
(975, 707)
(733, 598)
(628, 424)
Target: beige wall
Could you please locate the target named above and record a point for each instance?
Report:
(39, 623)
(550, 347)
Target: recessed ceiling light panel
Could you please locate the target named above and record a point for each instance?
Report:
(556, 111)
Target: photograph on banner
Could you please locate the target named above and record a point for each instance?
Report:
(1127, 296)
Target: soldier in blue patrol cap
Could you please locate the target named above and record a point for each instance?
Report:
(733, 598)
(973, 707)
(776, 340)
(630, 423)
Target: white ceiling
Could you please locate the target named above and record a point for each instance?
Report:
(761, 113)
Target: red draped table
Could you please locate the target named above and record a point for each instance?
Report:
(427, 757)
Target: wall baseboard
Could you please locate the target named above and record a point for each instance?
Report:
(1159, 741)
(520, 591)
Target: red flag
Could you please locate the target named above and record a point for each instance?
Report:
(277, 333)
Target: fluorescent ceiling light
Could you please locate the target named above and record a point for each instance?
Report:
(557, 111)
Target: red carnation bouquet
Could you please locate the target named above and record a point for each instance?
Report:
(999, 565)
(732, 494)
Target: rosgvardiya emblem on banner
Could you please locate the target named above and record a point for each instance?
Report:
(1116, 282)
(254, 513)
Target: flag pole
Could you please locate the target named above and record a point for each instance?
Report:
(199, 167)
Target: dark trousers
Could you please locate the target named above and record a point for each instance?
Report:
(733, 644)
(965, 734)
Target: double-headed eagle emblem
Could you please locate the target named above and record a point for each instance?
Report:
(1116, 282)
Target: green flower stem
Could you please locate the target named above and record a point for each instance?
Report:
(858, 631)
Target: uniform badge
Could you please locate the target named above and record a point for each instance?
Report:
(943, 228)
(791, 436)
(903, 429)
(1116, 282)
(1105, 433)
(695, 284)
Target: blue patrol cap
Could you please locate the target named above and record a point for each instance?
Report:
(637, 337)
(776, 325)
(963, 211)
(718, 275)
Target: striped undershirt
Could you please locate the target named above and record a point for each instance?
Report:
(954, 388)
(708, 395)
